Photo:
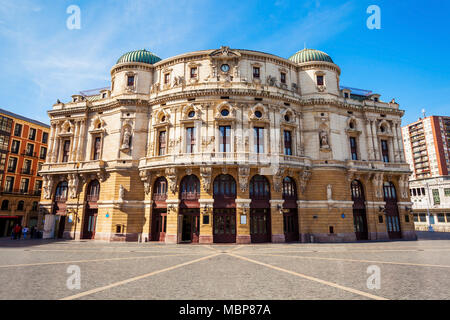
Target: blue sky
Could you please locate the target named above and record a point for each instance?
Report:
(41, 60)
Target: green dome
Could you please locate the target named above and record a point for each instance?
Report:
(307, 55)
(143, 56)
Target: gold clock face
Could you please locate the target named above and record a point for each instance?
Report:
(225, 68)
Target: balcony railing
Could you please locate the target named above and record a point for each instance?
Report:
(190, 195)
(27, 171)
(159, 196)
(92, 197)
(61, 198)
(29, 154)
(22, 192)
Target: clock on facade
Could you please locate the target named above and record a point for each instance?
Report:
(225, 68)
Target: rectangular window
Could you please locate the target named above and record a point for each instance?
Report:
(162, 143)
(320, 80)
(194, 72)
(12, 164)
(29, 151)
(423, 191)
(27, 165)
(283, 77)
(5, 124)
(32, 134)
(43, 153)
(353, 148)
(97, 148)
(24, 185)
(225, 139)
(256, 72)
(18, 130)
(4, 142)
(130, 81)
(448, 217)
(15, 146)
(385, 151)
(9, 184)
(66, 150)
(259, 139)
(287, 143)
(190, 139)
(441, 218)
(436, 198)
(422, 217)
(414, 192)
(447, 192)
(44, 137)
(2, 163)
(416, 217)
(38, 187)
(166, 78)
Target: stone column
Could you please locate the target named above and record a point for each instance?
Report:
(243, 221)
(369, 139)
(395, 142)
(206, 230)
(55, 144)
(375, 141)
(73, 145)
(276, 220)
(147, 225)
(173, 224)
(81, 144)
(400, 143)
(51, 142)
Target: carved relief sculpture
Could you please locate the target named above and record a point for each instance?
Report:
(205, 174)
(243, 173)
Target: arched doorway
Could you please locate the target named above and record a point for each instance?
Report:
(224, 223)
(391, 211)
(189, 216)
(290, 212)
(159, 211)
(260, 209)
(59, 208)
(91, 209)
(359, 211)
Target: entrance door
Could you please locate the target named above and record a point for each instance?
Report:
(290, 224)
(260, 225)
(360, 224)
(224, 225)
(159, 225)
(90, 222)
(61, 226)
(392, 222)
(190, 225)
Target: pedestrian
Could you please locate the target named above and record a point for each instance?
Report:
(24, 232)
(13, 234)
(32, 232)
(18, 232)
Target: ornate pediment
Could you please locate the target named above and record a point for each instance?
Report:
(224, 53)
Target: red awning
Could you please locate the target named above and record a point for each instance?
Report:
(9, 217)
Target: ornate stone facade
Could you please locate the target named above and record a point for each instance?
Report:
(225, 146)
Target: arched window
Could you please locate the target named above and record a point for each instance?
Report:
(190, 188)
(389, 191)
(357, 190)
(61, 191)
(5, 204)
(160, 189)
(93, 191)
(21, 205)
(289, 189)
(259, 188)
(224, 186)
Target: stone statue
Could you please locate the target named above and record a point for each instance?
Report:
(121, 193)
(324, 139)
(329, 192)
(126, 139)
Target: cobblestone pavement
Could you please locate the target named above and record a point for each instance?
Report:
(38, 269)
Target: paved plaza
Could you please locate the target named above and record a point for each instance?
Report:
(37, 269)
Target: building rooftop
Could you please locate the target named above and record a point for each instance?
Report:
(18, 116)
